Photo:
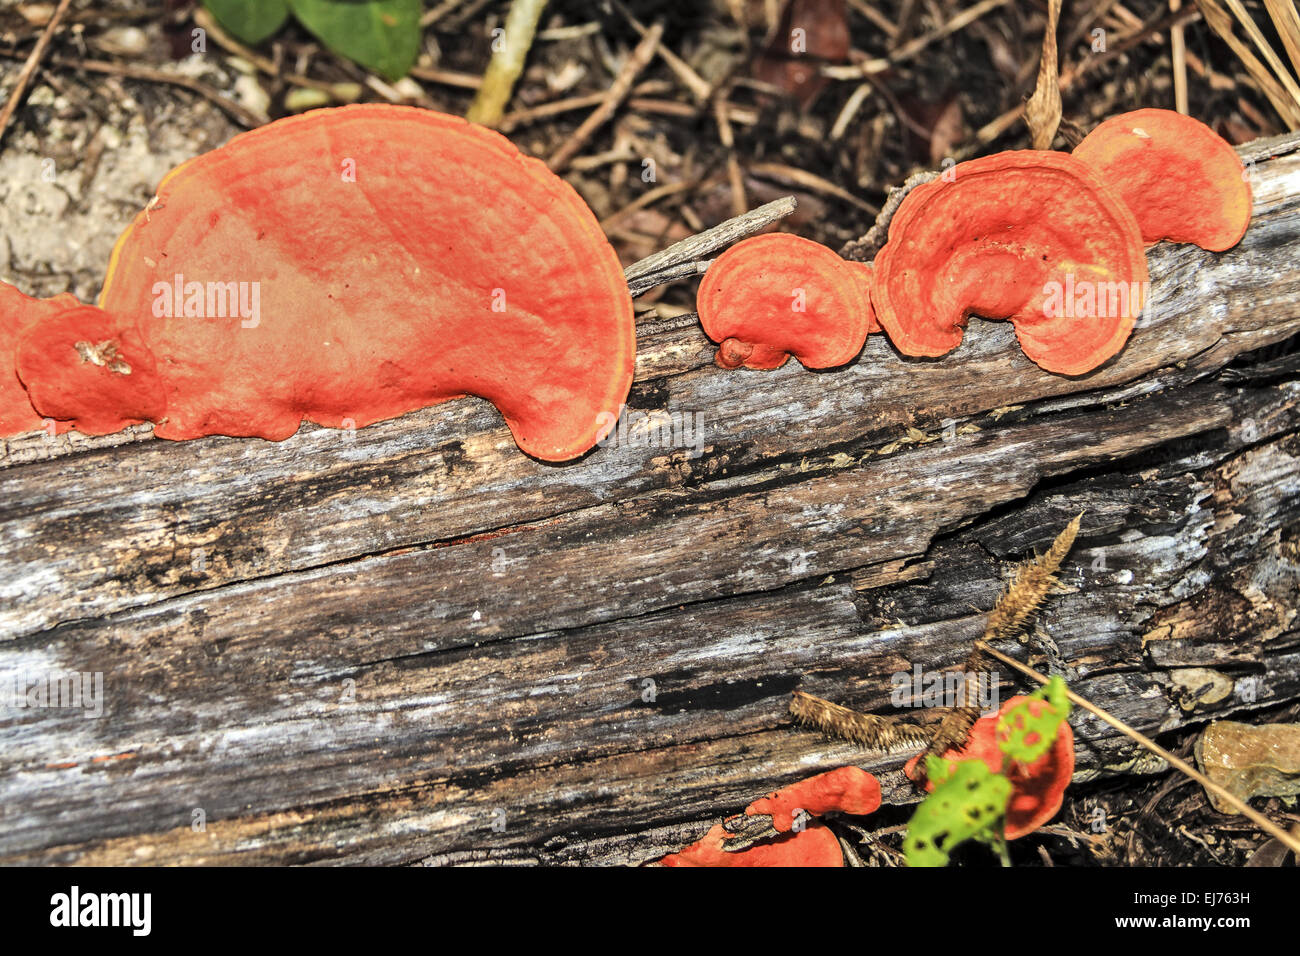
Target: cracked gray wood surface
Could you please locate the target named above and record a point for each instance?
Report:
(372, 646)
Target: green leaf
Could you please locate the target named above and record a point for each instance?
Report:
(381, 35)
(969, 802)
(249, 21)
(1026, 731)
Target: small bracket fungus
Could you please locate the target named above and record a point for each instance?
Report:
(1038, 787)
(776, 295)
(814, 846)
(82, 366)
(796, 838)
(18, 313)
(1032, 237)
(848, 790)
(351, 265)
(1182, 180)
(865, 273)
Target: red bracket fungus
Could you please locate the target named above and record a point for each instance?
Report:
(1182, 180)
(1032, 237)
(776, 295)
(83, 367)
(865, 272)
(18, 313)
(813, 846)
(343, 267)
(1037, 789)
(850, 790)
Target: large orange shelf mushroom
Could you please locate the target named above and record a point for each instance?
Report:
(1182, 180)
(776, 295)
(384, 259)
(1032, 237)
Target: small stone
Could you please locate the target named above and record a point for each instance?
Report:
(1200, 686)
(124, 41)
(301, 99)
(1249, 760)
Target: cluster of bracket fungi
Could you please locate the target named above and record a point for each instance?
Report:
(1053, 242)
(403, 257)
(785, 829)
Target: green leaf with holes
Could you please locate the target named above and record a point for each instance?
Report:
(968, 802)
(249, 21)
(1026, 731)
(381, 35)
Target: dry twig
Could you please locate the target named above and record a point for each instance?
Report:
(507, 62)
(638, 61)
(29, 67)
(691, 252)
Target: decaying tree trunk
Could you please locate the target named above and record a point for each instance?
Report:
(411, 642)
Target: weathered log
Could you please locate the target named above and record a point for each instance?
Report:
(410, 642)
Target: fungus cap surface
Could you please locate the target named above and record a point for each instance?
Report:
(849, 790)
(350, 265)
(814, 846)
(1032, 237)
(1183, 181)
(776, 295)
(19, 313)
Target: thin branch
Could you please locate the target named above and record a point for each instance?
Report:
(699, 87)
(688, 256)
(507, 62)
(911, 49)
(638, 61)
(235, 111)
(33, 61)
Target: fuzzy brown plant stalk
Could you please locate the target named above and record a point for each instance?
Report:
(870, 730)
(1028, 588)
